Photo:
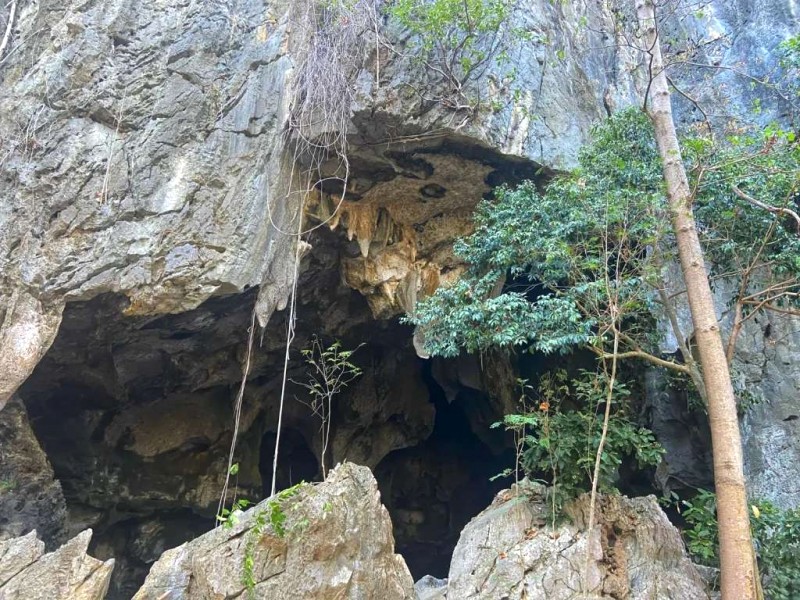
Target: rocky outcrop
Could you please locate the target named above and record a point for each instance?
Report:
(335, 542)
(150, 197)
(69, 573)
(767, 357)
(145, 148)
(767, 384)
(634, 552)
(141, 147)
(30, 497)
(135, 416)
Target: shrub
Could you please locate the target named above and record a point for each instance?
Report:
(560, 436)
(777, 540)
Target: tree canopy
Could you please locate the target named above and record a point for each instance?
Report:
(555, 269)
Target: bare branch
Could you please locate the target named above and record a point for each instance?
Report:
(9, 27)
(773, 209)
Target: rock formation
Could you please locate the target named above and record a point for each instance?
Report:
(27, 573)
(509, 551)
(335, 542)
(30, 497)
(151, 191)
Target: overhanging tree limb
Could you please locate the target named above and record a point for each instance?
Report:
(773, 209)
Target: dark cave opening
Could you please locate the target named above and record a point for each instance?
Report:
(297, 462)
(433, 489)
(135, 415)
(135, 542)
(136, 418)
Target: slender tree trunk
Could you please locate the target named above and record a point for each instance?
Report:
(739, 576)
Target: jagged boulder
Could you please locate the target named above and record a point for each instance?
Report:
(509, 551)
(335, 542)
(69, 573)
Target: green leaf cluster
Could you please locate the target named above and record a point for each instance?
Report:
(790, 52)
(274, 516)
(555, 269)
(456, 39)
(591, 236)
(765, 166)
(562, 433)
(776, 533)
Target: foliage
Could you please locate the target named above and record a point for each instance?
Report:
(329, 371)
(560, 440)
(777, 541)
(458, 40)
(790, 50)
(765, 166)
(702, 537)
(790, 62)
(274, 516)
(589, 254)
(229, 517)
(556, 246)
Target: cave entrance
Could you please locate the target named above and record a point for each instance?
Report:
(432, 490)
(296, 461)
(136, 416)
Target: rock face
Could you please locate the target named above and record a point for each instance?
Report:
(145, 142)
(69, 573)
(507, 551)
(767, 382)
(145, 148)
(150, 195)
(336, 543)
(30, 498)
(768, 355)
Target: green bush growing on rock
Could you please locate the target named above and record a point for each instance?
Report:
(562, 431)
(556, 270)
(457, 40)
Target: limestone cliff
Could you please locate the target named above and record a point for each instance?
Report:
(152, 185)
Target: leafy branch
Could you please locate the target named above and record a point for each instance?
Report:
(329, 371)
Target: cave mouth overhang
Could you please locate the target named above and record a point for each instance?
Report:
(136, 412)
(401, 198)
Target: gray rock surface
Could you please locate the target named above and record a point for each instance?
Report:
(143, 148)
(767, 383)
(768, 355)
(30, 498)
(431, 588)
(68, 573)
(146, 151)
(337, 544)
(508, 551)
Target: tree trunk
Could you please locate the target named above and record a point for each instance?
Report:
(739, 576)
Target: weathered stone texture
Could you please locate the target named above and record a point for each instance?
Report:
(338, 544)
(509, 551)
(69, 573)
(30, 498)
